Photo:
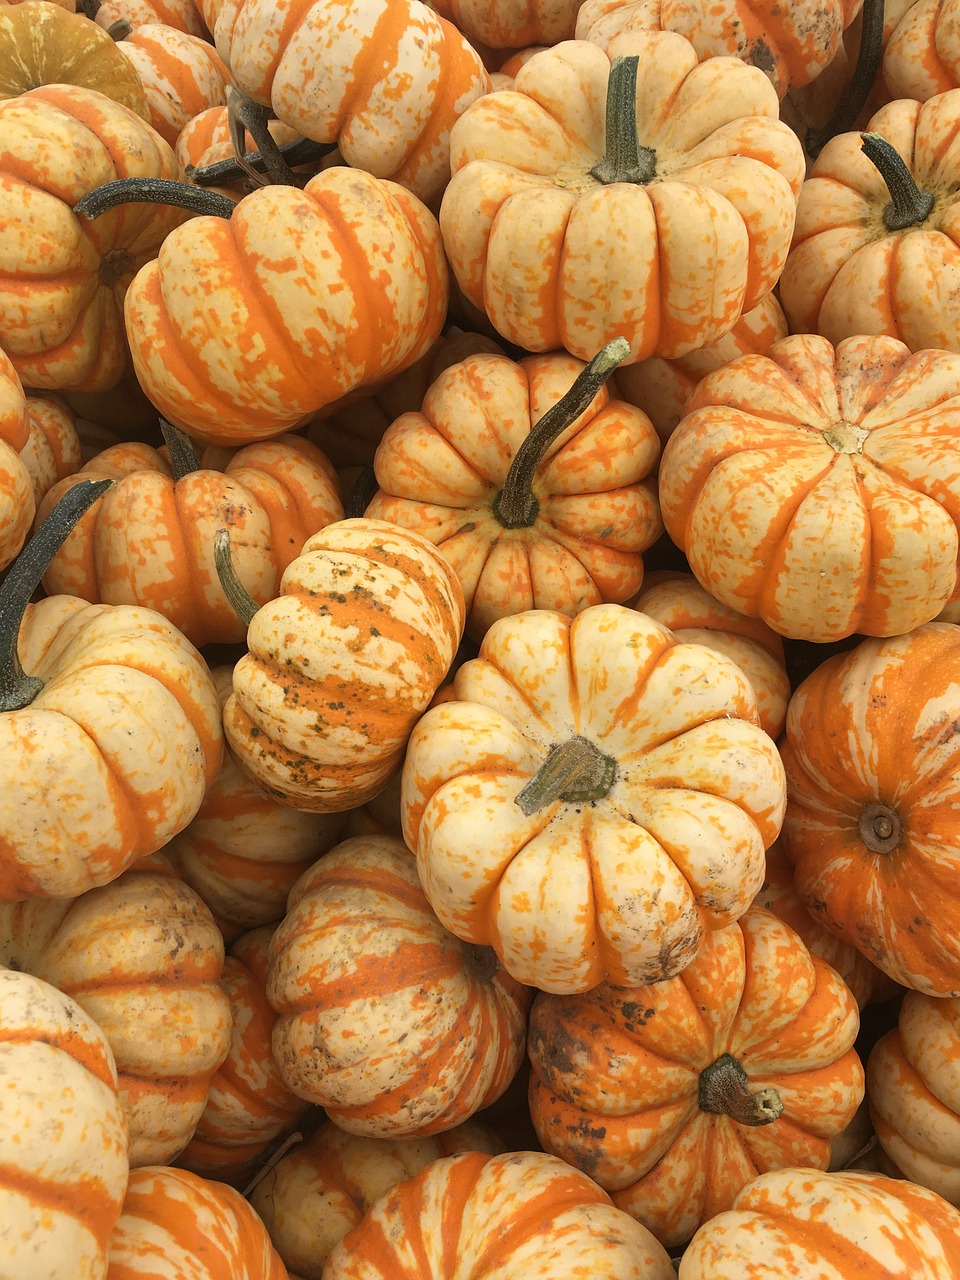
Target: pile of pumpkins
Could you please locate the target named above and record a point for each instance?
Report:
(479, 640)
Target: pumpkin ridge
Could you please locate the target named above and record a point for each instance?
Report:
(86, 1198)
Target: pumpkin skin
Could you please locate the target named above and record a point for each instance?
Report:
(361, 306)
(358, 956)
(342, 663)
(679, 602)
(181, 75)
(849, 274)
(149, 540)
(523, 1213)
(43, 44)
(59, 1200)
(143, 957)
(172, 1217)
(804, 1222)
(630, 1084)
(128, 722)
(921, 57)
(53, 451)
(61, 305)
(17, 504)
(383, 79)
(618, 888)
(914, 1095)
(205, 139)
(247, 1105)
(321, 1189)
(871, 757)
(818, 488)
(441, 471)
(558, 260)
(182, 14)
(791, 44)
(512, 24)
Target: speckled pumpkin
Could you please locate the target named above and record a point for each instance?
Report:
(181, 75)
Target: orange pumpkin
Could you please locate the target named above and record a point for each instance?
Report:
(802, 1222)
(123, 14)
(342, 664)
(62, 1133)
(531, 478)
(655, 203)
(143, 957)
(149, 539)
(512, 24)
(921, 55)
(17, 500)
(523, 1213)
(205, 140)
(53, 451)
(573, 812)
(113, 703)
(872, 757)
(385, 1019)
(818, 488)
(172, 1217)
(181, 75)
(61, 303)
(321, 1189)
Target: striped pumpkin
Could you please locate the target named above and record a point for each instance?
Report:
(181, 75)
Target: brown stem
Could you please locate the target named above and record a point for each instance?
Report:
(299, 151)
(515, 506)
(869, 56)
(275, 1157)
(238, 597)
(17, 689)
(625, 159)
(576, 770)
(183, 456)
(880, 827)
(152, 191)
(361, 493)
(909, 205)
(725, 1090)
(245, 114)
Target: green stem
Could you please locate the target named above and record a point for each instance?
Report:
(576, 770)
(515, 505)
(238, 597)
(299, 151)
(361, 493)
(725, 1090)
(243, 114)
(153, 191)
(625, 158)
(17, 689)
(855, 96)
(909, 205)
(183, 456)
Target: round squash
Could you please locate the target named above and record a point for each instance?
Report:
(181, 75)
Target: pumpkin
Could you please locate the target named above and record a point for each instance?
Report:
(41, 43)
(523, 1213)
(672, 1097)
(342, 663)
(575, 813)
(173, 1218)
(109, 730)
(872, 758)
(532, 479)
(61, 299)
(385, 1019)
(149, 539)
(352, 306)
(914, 1091)
(17, 504)
(383, 79)
(583, 207)
(512, 24)
(874, 251)
(818, 488)
(205, 140)
(921, 57)
(791, 44)
(247, 1105)
(243, 851)
(124, 14)
(62, 1133)
(321, 1189)
(53, 451)
(181, 75)
(679, 602)
(143, 957)
(803, 1222)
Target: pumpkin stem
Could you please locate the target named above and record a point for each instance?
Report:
(238, 597)
(909, 205)
(855, 95)
(725, 1091)
(299, 151)
(119, 29)
(153, 191)
(17, 689)
(361, 493)
(91, 7)
(276, 1156)
(515, 505)
(245, 114)
(183, 456)
(880, 827)
(575, 770)
(625, 158)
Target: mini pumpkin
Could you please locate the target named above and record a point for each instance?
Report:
(181, 75)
